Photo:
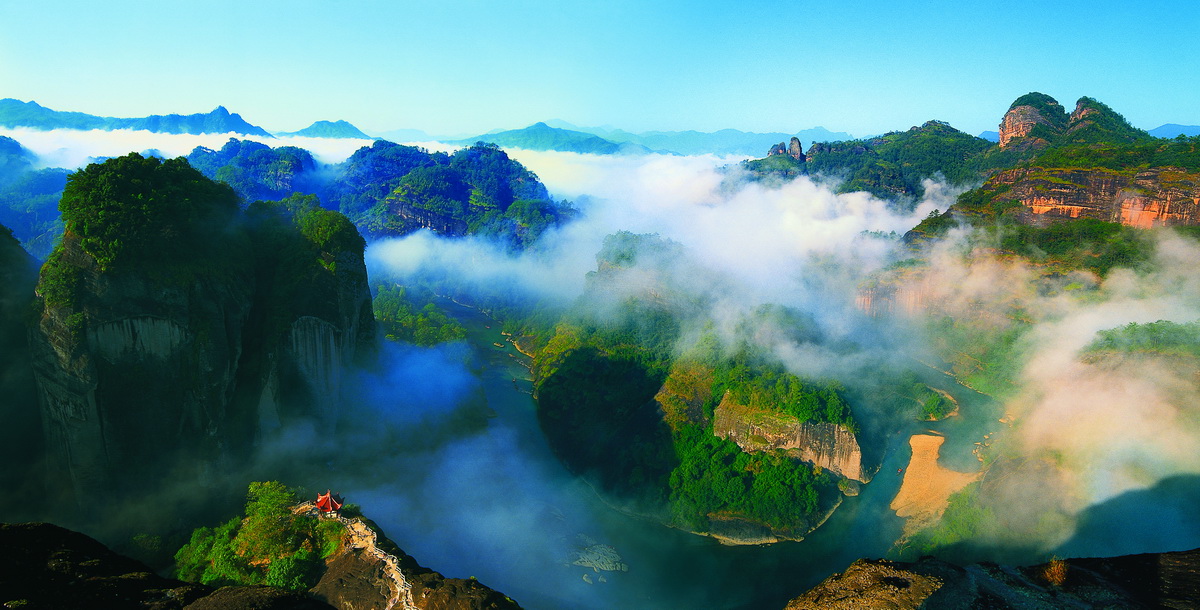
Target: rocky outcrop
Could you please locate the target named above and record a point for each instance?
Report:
(370, 571)
(792, 149)
(1155, 580)
(1160, 196)
(830, 446)
(795, 150)
(1020, 123)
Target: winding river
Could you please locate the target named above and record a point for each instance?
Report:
(541, 536)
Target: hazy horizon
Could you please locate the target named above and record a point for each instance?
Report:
(471, 67)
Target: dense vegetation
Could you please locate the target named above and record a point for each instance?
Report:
(1161, 337)
(1127, 157)
(406, 319)
(300, 255)
(715, 479)
(131, 210)
(257, 171)
(774, 168)
(390, 190)
(770, 387)
(386, 189)
(906, 393)
(894, 165)
(270, 545)
(620, 403)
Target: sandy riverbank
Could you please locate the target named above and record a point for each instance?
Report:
(926, 488)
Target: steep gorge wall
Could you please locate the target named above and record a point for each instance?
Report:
(134, 370)
(145, 377)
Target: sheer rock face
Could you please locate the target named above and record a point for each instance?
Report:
(1155, 580)
(1031, 120)
(1019, 122)
(146, 375)
(1148, 198)
(416, 218)
(20, 435)
(830, 446)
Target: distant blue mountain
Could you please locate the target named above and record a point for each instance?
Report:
(15, 113)
(1170, 130)
(409, 135)
(329, 129)
(541, 136)
(990, 136)
(723, 142)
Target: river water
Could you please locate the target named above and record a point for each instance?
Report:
(497, 505)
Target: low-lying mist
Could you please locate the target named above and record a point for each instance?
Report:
(1081, 432)
(74, 148)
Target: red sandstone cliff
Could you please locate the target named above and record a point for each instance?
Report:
(1153, 197)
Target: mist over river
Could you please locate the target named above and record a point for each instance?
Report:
(498, 505)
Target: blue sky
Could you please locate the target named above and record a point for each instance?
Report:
(465, 67)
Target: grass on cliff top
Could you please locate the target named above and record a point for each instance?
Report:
(270, 545)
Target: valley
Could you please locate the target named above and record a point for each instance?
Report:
(753, 372)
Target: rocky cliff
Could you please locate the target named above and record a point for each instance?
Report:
(830, 446)
(172, 357)
(1156, 580)
(20, 436)
(370, 571)
(1031, 120)
(134, 370)
(792, 149)
(1160, 196)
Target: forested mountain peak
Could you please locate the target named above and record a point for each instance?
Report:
(329, 129)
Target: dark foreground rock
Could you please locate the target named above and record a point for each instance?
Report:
(1153, 580)
(44, 566)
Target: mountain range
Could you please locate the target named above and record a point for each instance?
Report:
(721, 142)
(549, 135)
(15, 113)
